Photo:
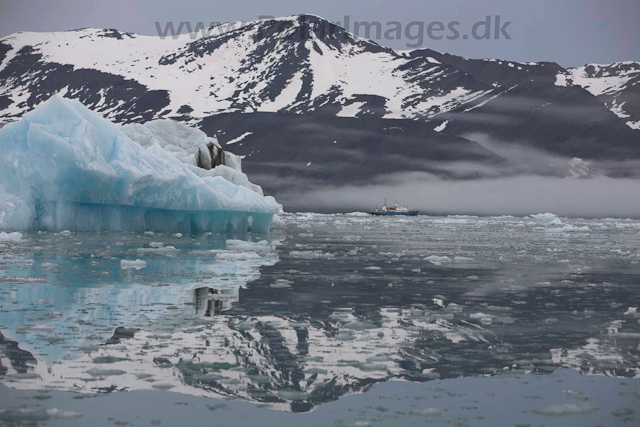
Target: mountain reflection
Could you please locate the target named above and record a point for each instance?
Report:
(212, 302)
(294, 321)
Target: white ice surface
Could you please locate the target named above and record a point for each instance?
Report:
(64, 167)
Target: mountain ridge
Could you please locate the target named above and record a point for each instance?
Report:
(305, 65)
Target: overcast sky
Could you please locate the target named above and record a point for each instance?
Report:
(570, 32)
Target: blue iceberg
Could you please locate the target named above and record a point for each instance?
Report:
(62, 167)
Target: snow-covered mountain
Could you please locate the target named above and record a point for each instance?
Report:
(242, 76)
(617, 85)
(296, 64)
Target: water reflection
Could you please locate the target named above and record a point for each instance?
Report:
(213, 301)
(336, 305)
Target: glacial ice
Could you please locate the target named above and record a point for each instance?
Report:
(62, 167)
(10, 237)
(137, 264)
(187, 144)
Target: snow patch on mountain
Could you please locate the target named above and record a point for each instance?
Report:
(617, 85)
(271, 65)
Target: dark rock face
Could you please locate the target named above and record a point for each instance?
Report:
(493, 71)
(567, 121)
(21, 360)
(41, 79)
(214, 157)
(625, 97)
(293, 149)
(121, 333)
(526, 107)
(4, 48)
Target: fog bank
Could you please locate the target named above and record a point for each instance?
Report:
(520, 195)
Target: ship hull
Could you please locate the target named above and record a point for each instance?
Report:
(409, 213)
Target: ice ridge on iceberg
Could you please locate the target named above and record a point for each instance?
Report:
(191, 146)
(64, 167)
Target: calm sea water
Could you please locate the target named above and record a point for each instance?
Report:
(470, 312)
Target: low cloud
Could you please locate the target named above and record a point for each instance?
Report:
(521, 195)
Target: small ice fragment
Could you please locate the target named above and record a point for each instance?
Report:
(485, 319)
(566, 409)
(318, 254)
(10, 237)
(281, 283)
(65, 233)
(49, 265)
(163, 250)
(544, 216)
(437, 260)
(373, 268)
(237, 256)
(156, 244)
(177, 235)
(431, 412)
(631, 310)
(137, 264)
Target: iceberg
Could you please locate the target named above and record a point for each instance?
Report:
(201, 153)
(63, 167)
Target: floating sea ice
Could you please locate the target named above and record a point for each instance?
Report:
(137, 264)
(237, 256)
(450, 221)
(277, 223)
(437, 260)
(311, 254)
(49, 265)
(159, 250)
(485, 319)
(566, 409)
(262, 247)
(568, 229)
(10, 237)
(544, 216)
(453, 307)
(431, 412)
(281, 283)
